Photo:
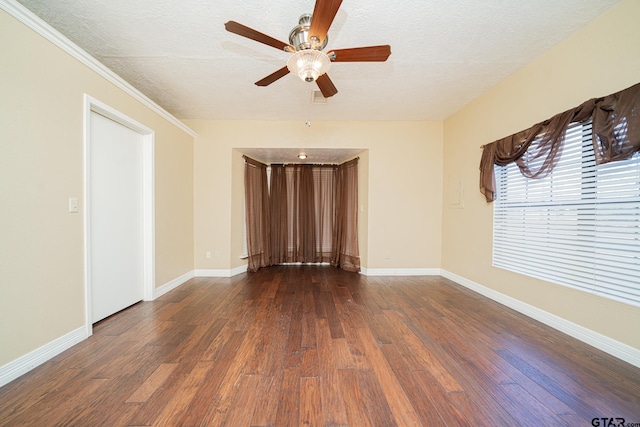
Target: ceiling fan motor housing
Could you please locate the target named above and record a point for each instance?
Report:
(299, 36)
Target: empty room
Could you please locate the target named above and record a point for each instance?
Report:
(331, 213)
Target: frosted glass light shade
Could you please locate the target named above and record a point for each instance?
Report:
(308, 64)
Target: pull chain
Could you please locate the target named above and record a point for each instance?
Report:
(308, 122)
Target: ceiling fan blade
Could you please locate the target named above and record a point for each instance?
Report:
(250, 33)
(323, 14)
(273, 77)
(326, 86)
(362, 54)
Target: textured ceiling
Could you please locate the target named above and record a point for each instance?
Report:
(444, 52)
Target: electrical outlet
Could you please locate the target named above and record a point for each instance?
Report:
(73, 205)
(208, 254)
(216, 254)
(387, 255)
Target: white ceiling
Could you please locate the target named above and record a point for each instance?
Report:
(444, 52)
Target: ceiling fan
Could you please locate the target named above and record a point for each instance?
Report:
(306, 42)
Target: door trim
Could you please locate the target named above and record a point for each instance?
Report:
(148, 199)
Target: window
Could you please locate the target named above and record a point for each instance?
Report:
(308, 214)
(578, 227)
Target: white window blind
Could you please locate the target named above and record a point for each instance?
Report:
(579, 227)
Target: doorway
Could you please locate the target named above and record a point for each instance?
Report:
(119, 211)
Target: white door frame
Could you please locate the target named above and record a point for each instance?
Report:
(148, 142)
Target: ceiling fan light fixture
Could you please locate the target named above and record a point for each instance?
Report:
(308, 64)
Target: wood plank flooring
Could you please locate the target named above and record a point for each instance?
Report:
(317, 346)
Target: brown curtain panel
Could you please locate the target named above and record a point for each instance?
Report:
(325, 193)
(306, 216)
(257, 214)
(292, 174)
(279, 215)
(345, 240)
(616, 136)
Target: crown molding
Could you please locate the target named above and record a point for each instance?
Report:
(32, 21)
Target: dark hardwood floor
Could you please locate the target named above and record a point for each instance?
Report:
(320, 346)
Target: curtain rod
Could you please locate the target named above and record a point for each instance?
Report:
(249, 159)
(314, 164)
(304, 164)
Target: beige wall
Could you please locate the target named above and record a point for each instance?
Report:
(601, 58)
(42, 295)
(400, 185)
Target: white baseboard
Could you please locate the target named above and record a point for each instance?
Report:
(197, 273)
(29, 361)
(602, 342)
(221, 273)
(400, 271)
(238, 270)
(172, 284)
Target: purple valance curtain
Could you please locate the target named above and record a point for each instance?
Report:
(536, 151)
(307, 214)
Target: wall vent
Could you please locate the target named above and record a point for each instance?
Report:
(317, 98)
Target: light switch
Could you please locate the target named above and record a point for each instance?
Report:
(73, 205)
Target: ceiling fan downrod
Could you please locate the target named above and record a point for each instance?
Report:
(299, 35)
